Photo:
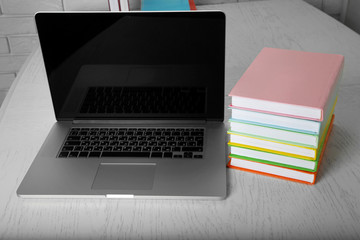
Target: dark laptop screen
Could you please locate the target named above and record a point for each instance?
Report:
(134, 65)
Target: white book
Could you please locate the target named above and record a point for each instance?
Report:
(124, 5)
(275, 134)
(283, 122)
(114, 5)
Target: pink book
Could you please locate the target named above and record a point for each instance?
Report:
(289, 83)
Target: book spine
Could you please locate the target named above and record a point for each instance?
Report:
(192, 5)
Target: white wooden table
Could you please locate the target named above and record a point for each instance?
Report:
(256, 207)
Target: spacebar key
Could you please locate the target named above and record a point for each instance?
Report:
(125, 154)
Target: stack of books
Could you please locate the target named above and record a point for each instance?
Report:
(282, 112)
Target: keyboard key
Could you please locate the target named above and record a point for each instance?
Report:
(146, 149)
(78, 148)
(125, 154)
(63, 154)
(94, 154)
(170, 139)
(168, 155)
(176, 149)
(188, 154)
(198, 156)
(200, 134)
(156, 154)
(85, 143)
(171, 144)
(127, 149)
(117, 149)
(166, 149)
(124, 143)
(73, 154)
(98, 148)
(137, 149)
(143, 143)
(83, 154)
(72, 143)
(67, 149)
(180, 139)
(108, 148)
(88, 149)
(189, 139)
(177, 156)
(152, 144)
(192, 149)
(73, 138)
(133, 143)
(160, 138)
(156, 149)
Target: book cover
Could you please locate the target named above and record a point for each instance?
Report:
(289, 83)
(277, 159)
(277, 171)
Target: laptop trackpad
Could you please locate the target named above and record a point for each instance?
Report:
(125, 176)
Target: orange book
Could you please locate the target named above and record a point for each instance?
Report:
(277, 171)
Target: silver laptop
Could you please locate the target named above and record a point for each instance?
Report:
(139, 104)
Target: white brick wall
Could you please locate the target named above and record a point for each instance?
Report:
(4, 46)
(29, 7)
(18, 32)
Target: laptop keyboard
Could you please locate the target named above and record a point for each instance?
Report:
(133, 142)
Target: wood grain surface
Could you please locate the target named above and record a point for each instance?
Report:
(257, 207)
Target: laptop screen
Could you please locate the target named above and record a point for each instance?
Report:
(134, 65)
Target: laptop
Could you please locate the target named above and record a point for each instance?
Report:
(139, 105)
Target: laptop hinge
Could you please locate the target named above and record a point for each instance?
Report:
(142, 122)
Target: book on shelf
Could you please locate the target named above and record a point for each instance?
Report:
(114, 5)
(289, 83)
(271, 146)
(167, 5)
(277, 134)
(118, 5)
(277, 159)
(280, 171)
